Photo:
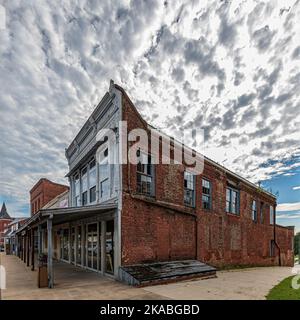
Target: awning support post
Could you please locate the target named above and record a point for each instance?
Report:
(16, 253)
(39, 240)
(32, 250)
(23, 248)
(27, 249)
(69, 244)
(50, 260)
(103, 246)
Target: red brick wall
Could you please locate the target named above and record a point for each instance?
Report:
(165, 229)
(3, 227)
(152, 233)
(285, 240)
(43, 192)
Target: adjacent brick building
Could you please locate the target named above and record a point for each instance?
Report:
(43, 192)
(5, 220)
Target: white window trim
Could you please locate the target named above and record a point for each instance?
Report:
(210, 193)
(194, 189)
(152, 194)
(101, 149)
(254, 219)
(79, 192)
(272, 215)
(237, 213)
(89, 185)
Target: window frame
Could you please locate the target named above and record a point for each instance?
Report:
(101, 180)
(261, 212)
(272, 248)
(237, 206)
(193, 190)
(91, 186)
(254, 210)
(272, 214)
(145, 174)
(84, 191)
(205, 194)
(77, 196)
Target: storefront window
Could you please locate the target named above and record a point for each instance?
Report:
(79, 245)
(77, 190)
(92, 181)
(65, 245)
(109, 246)
(73, 245)
(104, 176)
(92, 246)
(84, 187)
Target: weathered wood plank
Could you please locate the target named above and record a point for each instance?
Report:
(141, 273)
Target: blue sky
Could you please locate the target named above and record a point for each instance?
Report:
(287, 189)
(229, 67)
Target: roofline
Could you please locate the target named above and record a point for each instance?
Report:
(246, 181)
(30, 219)
(56, 198)
(46, 179)
(48, 211)
(285, 227)
(107, 93)
(16, 220)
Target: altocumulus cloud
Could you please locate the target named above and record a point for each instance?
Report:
(231, 68)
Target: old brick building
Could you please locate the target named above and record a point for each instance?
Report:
(44, 191)
(5, 220)
(163, 227)
(123, 214)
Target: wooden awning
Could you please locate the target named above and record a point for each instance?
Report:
(69, 214)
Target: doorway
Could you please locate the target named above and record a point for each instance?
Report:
(79, 254)
(65, 245)
(109, 247)
(92, 246)
(73, 245)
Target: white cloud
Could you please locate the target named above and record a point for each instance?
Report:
(288, 216)
(296, 188)
(288, 206)
(238, 61)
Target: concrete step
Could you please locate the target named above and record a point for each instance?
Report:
(164, 272)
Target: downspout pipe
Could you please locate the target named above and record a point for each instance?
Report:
(274, 236)
(196, 237)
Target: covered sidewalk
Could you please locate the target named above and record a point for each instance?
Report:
(41, 233)
(71, 282)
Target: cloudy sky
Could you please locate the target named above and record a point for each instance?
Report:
(229, 67)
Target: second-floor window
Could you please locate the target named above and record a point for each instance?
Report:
(206, 194)
(145, 174)
(104, 185)
(84, 185)
(189, 189)
(92, 181)
(254, 211)
(77, 190)
(261, 212)
(271, 215)
(232, 201)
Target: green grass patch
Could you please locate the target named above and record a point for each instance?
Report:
(284, 291)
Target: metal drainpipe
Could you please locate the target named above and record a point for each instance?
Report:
(196, 235)
(279, 257)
